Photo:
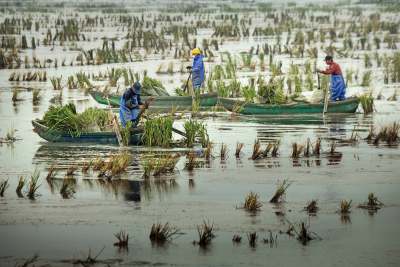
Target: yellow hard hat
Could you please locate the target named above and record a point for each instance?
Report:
(196, 51)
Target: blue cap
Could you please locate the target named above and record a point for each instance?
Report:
(137, 87)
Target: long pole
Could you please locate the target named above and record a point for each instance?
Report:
(187, 82)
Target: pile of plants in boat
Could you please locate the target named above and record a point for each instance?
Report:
(66, 119)
(152, 86)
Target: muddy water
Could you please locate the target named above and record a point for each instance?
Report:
(59, 230)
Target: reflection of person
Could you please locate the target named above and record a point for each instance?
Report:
(338, 86)
(197, 70)
(130, 105)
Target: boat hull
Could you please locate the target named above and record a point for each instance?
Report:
(97, 137)
(349, 105)
(206, 100)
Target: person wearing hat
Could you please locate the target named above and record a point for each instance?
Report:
(338, 86)
(197, 70)
(130, 105)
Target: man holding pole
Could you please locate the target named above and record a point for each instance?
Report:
(338, 86)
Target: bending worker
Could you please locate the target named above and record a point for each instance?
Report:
(130, 105)
(197, 71)
(338, 86)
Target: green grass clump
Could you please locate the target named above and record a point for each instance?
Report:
(158, 131)
(367, 103)
(193, 130)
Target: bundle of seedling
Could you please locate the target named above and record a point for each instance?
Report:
(159, 165)
(195, 130)
(158, 131)
(66, 119)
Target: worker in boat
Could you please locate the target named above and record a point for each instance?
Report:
(130, 105)
(338, 86)
(197, 71)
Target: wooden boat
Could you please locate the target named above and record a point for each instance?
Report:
(346, 106)
(95, 137)
(206, 100)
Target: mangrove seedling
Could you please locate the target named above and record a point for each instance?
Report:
(296, 150)
(236, 238)
(280, 192)
(239, 147)
(191, 163)
(252, 203)
(36, 96)
(304, 235)
(271, 240)
(223, 151)
(21, 184)
(86, 166)
(307, 148)
(67, 189)
(52, 173)
(372, 204)
(71, 170)
(317, 147)
(159, 233)
(33, 185)
(257, 153)
(367, 103)
(311, 207)
(345, 206)
(3, 186)
(206, 234)
(252, 237)
(333, 147)
(122, 239)
(208, 151)
(275, 149)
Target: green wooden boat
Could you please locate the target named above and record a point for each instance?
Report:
(346, 106)
(95, 137)
(206, 100)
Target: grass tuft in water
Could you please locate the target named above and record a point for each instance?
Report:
(345, 206)
(252, 203)
(206, 234)
(252, 237)
(33, 185)
(20, 186)
(281, 191)
(239, 147)
(3, 186)
(367, 103)
(122, 239)
(160, 234)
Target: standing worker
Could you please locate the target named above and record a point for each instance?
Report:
(197, 71)
(338, 86)
(130, 105)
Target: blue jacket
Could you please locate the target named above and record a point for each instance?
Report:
(197, 71)
(129, 105)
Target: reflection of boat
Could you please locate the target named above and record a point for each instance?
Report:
(95, 137)
(206, 100)
(347, 106)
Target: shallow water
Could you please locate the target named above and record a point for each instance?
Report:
(61, 230)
